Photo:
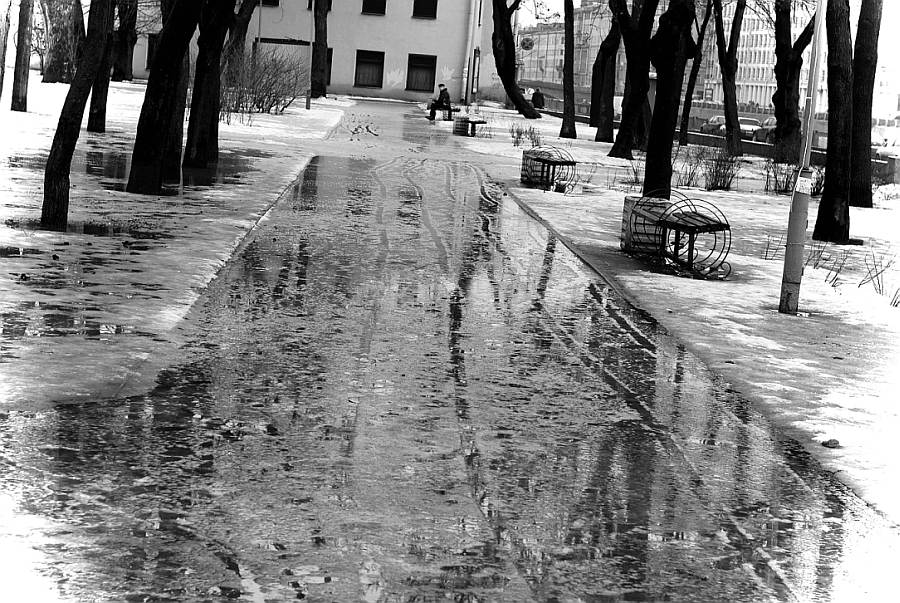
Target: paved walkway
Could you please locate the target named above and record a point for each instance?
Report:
(733, 328)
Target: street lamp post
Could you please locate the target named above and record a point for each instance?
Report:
(798, 219)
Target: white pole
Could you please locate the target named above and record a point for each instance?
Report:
(312, 35)
(798, 219)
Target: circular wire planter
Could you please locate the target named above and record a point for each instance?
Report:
(695, 235)
(687, 235)
(548, 167)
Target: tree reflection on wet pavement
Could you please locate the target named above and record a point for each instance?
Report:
(403, 388)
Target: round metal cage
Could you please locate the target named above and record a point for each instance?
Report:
(548, 166)
(703, 250)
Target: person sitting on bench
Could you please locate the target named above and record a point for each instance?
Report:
(441, 102)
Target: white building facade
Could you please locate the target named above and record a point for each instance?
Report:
(388, 48)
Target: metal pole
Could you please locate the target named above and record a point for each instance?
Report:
(798, 218)
(312, 35)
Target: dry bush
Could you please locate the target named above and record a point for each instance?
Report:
(720, 168)
(687, 164)
(780, 177)
(265, 81)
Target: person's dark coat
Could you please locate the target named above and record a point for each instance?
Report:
(537, 99)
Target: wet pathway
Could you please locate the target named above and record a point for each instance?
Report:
(405, 389)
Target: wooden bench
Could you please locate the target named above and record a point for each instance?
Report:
(448, 113)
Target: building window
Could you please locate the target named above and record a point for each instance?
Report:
(425, 9)
(369, 69)
(373, 7)
(420, 72)
(269, 2)
(152, 45)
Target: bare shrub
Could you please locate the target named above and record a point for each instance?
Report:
(720, 168)
(517, 133)
(773, 248)
(533, 136)
(780, 177)
(837, 266)
(818, 180)
(266, 81)
(875, 269)
(636, 176)
(816, 254)
(687, 165)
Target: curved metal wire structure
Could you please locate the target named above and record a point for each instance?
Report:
(705, 254)
(683, 233)
(547, 166)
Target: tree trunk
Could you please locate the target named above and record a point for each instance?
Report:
(319, 75)
(160, 98)
(503, 44)
(100, 87)
(635, 30)
(603, 85)
(55, 210)
(126, 38)
(64, 35)
(728, 65)
(237, 39)
(202, 146)
(670, 50)
(172, 146)
(4, 40)
(833, 219)
(567, 130)
(865, 60)
(692, 78)
(23, 57)
(788, 65)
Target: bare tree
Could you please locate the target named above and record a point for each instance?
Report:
(319, 75)
(126, 37)
(170, 167)
(23, 57)
(788, 65)
(202, 146)
(833, 219)
(160, 99)
(636, 27)
(55, 209)
(63, 37)
(692, 78)
(671, 47)
(4, 38)
(100, 87)
(603, 84)
(728, 66)
(237, 37)
(865, 60)
(567, 130)
(503, 43)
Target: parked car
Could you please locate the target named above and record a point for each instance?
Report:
(713, 125)
(748, 126)
(766, 131)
